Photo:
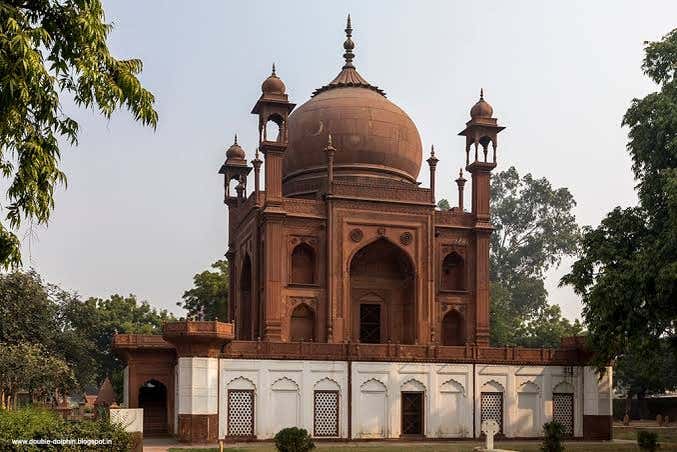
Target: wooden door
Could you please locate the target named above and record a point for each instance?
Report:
(412, 413)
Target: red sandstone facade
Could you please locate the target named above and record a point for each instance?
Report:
(341, 255)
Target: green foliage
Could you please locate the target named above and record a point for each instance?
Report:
(443, 204)
(534, 228)
(553, 433)
(626, 272)
(79, 332)
(293, 439)
(209, 296)
(37, 423)
(647, 440)
(31, 368)
(644, 370)
(47, 49)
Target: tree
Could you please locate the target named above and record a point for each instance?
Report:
(534, 227)
(67, 328)
(48, 49)
(645, 370)
(443, 204)
(30, 367)
(209, 296)
(93, 323)
(626, 272)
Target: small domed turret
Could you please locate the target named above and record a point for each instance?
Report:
(481, 109)
(235, 152)
(273, 84)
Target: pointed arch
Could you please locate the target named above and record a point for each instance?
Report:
(245, 325)
(492, 386)
(529, 386)
(452, 385)
(327, 384)
(302, 324)
(382, 270)
(453, 328)
(563, 387)
(303, 264)
(284, 384)
(413, 384)
(373, 385)
(453, 272)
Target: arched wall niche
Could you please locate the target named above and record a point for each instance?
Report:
(453, 328)
(303, 265)
(453, 272)
(382, 270)
(302, 324)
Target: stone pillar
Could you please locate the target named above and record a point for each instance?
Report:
(198, 399)
(481, 194)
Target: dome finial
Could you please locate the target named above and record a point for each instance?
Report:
(481, 93)
(273, 73)
(235, 141)
(432, 150)
(348, 44)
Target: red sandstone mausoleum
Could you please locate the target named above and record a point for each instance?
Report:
(358, 309)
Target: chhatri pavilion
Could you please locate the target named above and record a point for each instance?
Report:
(357, 309)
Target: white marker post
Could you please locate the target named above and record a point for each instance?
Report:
(489, 428)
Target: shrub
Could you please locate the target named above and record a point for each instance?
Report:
(554, 432)
(40, 423)
(647, 440)
(293, 439)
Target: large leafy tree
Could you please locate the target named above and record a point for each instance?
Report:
(65, 327)
(50, 49)
(534, 228)
(626, 273)
(208, 298)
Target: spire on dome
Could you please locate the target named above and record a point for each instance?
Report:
(348, 45)
(273, 73)
(349, 77)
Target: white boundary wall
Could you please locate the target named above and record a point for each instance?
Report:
(284, 395)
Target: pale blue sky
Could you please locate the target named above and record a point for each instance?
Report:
(143, 211)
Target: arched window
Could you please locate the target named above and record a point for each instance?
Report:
(453, 272)
(245, 325)
(452, 329)
(273, 128)
(302, 326)
(303, 265)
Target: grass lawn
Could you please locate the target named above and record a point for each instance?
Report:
(467, 446)
(665, 434)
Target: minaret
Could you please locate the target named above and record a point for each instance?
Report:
(432, 163)
(461, 183)
(234, 168)
(273, 106)
(481, 131)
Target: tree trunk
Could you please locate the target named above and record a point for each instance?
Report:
(643, 405)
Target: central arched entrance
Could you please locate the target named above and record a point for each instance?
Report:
(382, 294)
(153, 400)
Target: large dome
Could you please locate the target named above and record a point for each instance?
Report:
(373, 137)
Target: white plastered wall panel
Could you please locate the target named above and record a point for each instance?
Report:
(197, 383)
(597, 391)
(377, 409)
(283, 391)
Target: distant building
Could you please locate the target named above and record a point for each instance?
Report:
(358, 309)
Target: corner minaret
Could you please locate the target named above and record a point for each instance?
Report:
(481, 131)
(234, 168)
(273, 107)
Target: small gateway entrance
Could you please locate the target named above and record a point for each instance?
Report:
(412, 413)
(153, 400)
